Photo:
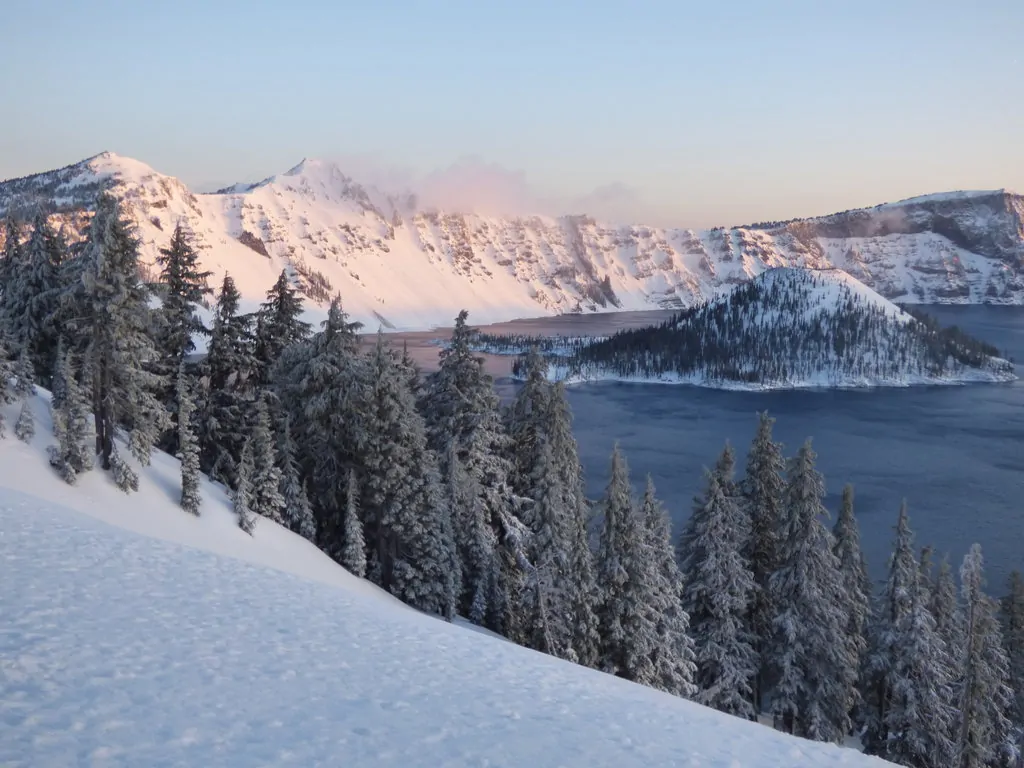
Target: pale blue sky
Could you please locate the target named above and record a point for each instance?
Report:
(700, 113)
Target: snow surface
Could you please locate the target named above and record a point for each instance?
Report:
(400, 267)
(134, 635)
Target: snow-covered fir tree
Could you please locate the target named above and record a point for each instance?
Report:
(188, 443)
(10, 260)
(629, 633)
(242, 496)
(719, 587)
(464, 425)
(25, 426)
(893, 612)
(298, 512)
(353, 555)
(185, 288)
(945, 607)
(323, 385)
(856, 583)
(583, 596)
(1012, 622)
(763, 486)
(526, 418)
(228, 372)
(7, 393)
(24, 388)
(815, 658)
(32, 297)
(920, 716)
(74, 452)
(267, 500)
(278, 323)
(986, 702)
(114, 329)
(674, 656)
(403, 505)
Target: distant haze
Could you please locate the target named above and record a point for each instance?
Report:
(658, 112)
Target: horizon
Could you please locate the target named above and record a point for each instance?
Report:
(665, 115)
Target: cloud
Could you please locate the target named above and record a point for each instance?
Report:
(473, 185)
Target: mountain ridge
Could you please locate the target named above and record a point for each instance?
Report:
(400, 264)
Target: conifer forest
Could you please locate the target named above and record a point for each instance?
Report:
(463, 506)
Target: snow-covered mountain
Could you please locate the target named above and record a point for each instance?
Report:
(791, 327)
(399, 265)
(135, 634)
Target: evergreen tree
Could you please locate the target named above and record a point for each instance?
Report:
(1012, 620)
(298, 512)
(25, 427)
(894, 612)
(353, 556)
(71, 427)
(403, 504)
(526, 419)
(32, 296)
(464, 425)
(763, 488)
(7, 393)
(949, 619)
(114, 327)
(628, 631)
(242, 496)
(856, 583)
(228, 386)
(188, 445)
(674, 656)
(185, 287)
(267, 500)
(920, 719)
(582, 596)
(815, 659)
(717, 594)
(323, 385)
(10, 261)
(986, 699)
(278, 323)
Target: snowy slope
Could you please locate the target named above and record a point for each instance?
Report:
(157, 641)
(399, 265)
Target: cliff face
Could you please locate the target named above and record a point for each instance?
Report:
(398, 265)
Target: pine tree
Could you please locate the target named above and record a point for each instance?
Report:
(815, 659)
(856, 583)
(986, 699)
(33, 295)
(188, 445)
(185, 287)
(278, 323)
(73, 453)
(7, 393)
(920, 719)
(894, 610)
(763, 488)
(464, 425)
(674, 657)
(628, 631)
(949, 619)
(323, 385)
(267, 500)
(228, 384)
(10, 260)
(242, 496)
(1012, 621)
(298, 512)
(582, 589)
(525, 420)
(353, 556)
(114, 327)
(25, 427)
(718, 590)
(404, 508)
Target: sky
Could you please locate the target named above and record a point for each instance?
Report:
(676, 112)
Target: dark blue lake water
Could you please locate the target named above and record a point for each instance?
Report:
(955, 453)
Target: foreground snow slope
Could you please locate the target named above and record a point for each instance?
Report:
(400, 265)
(124, 649)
